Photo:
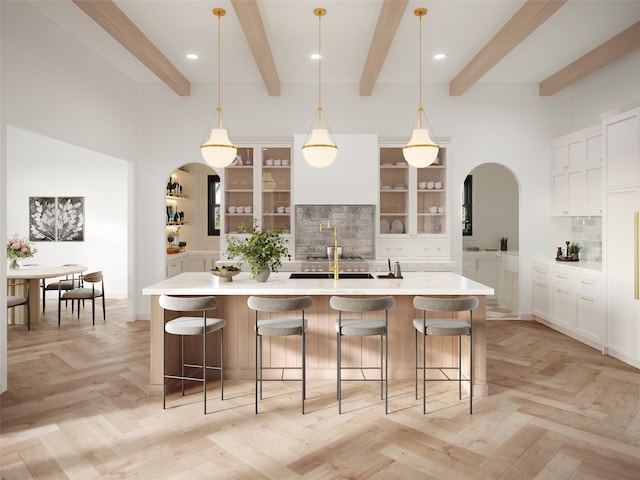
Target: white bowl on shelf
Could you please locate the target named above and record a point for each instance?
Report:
(438, 185)
(248, 209)
(433, 209)
(232, 209)
(286, 162)
(440, 209)
(280, 209)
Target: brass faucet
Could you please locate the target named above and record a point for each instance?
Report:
(336, 267)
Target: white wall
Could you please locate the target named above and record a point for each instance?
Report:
(42, 167)
(54, 86)
(494, 207)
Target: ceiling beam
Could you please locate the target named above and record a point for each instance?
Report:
(107, 14)
(389, 19)
(625, 42)
(530, 16)
(253, 28)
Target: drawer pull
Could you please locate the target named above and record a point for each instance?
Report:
(587, 299)
(562, 277)
(591, 284)
(542, 285)
(562, 292)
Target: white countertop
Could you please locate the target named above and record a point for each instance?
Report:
(413, 283)
(585, 265)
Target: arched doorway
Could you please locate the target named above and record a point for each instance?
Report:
(187, 207)
(490, 207)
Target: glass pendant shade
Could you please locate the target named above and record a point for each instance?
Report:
(421, 151)
(217, 150)
(319, 150)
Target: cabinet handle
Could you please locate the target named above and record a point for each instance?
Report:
(566, 212)
(477, 263)
(538, 284)
(587, 299)
(562, 292)
(541, 272)
(562, 277)
(565, 167)
(586, 283)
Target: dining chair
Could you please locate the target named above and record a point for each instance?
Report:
(85, 293)
(187, 326)
(367, 325)
(69, 282)
(279, 326)
(16, 298)
(441, 326)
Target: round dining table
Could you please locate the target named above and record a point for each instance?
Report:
(35, 274)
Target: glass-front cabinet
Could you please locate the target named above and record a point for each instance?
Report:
(276, 188)
(412, 207)
(238, 191)
(258, 185)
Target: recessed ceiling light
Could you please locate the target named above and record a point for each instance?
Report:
(192, 56)
(315, 56)
(439, 56)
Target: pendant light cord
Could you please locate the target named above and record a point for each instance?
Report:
(219, 108)
(420, 109)
(320, 12)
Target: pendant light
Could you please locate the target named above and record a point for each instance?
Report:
(319, 149)
(421, 150)
(217, 150)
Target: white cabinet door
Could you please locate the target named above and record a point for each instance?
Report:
(487, 273)
(622, 149)
(590, 309)
(620, 260)
(541, 292)
(576, 179)
(563, 298)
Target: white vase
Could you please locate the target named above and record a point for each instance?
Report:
(263, 276)
(14, 264)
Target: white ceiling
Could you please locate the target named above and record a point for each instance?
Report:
(459, 28)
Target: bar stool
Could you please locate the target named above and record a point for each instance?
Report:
(280, 327)
(444, 327)
(363, 327)
(192, 325)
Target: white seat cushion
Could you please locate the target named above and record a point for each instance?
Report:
(81, 293)
(361, 328)
(443, 327)
(13, 301)
(193, 325)
(281, 327)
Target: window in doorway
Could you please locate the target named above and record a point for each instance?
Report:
(467, 220)
(213, 207)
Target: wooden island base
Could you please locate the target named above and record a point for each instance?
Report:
(239, 342)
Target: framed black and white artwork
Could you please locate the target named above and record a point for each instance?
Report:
(56, 219)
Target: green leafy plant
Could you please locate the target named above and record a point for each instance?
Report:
(261, 249)
(574, 248)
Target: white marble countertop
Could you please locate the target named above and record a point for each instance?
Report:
(588, 266)
(413, 283)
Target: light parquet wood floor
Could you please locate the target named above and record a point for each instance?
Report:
(77, 407)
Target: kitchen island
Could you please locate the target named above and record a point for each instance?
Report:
(321, 337)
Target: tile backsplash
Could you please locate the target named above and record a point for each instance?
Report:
(355, 224)
(587, 231)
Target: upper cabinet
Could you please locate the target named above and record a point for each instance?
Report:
(238, 191)
(576, 176)
(622, 148)
(412, 207)
(258, 185)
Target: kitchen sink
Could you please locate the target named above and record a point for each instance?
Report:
(344, 275)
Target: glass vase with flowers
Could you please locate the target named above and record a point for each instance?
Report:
(17, 249)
